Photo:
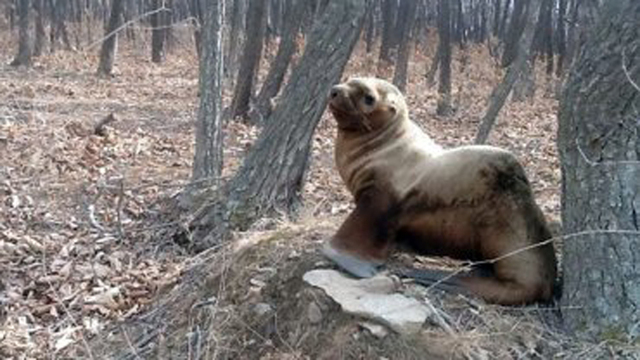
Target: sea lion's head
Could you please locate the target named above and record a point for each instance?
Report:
(366, 105)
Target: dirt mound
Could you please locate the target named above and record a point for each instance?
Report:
(248, 300)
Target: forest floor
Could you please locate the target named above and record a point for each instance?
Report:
(76, 250)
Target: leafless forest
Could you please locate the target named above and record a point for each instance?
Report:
(167, 172)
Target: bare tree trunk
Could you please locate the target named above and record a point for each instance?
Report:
(23, 57)
(389, 10)
(208, 160)
(435, 64)
(250, 59)
(195, 9)
(58, 26)
(293, 19)
(370, 26)
(516, 26)
(273, 173)
(236, 36)
(38, 45)
(496, 17)
(108, 51)
(600, 153)
(503, 22)
(158, 31)
(444, 85)
(501, 92)
(406, 16)
(561, 37)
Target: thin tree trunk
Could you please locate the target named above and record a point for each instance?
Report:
(273, 173)
(23, 57)
(388, 22)
(561, 37)
(599, 152)
(503, 22)
(293, 19)
(38, 45)
(370, 26)
(195, 9)
(236, 37)
(444, 84)
(496, 17)
(108, 51)
(501, 92)
(406, 16)
(207, 162)
(250, 59)
(516, 26)
(158, 31)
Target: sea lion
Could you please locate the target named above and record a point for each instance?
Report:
(469, 202)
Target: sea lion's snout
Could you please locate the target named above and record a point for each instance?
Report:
(338, 93)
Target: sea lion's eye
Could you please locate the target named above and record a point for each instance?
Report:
(369, 100)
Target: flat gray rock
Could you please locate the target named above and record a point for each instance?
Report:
(373, 298)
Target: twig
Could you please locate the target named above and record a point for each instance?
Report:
(123, 26)
(626, 72)
(119, 206)
(527, 248)
(92, 218)
(57, 299)
(596, 163)
(134, 351)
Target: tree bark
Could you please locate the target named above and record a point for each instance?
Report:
(503, 22)
(444, 84)
(561, 42)
(236, 37)
(273, 173)
(195, 9)
(250, 59)
(389, 10)
(501, 92)
(406, 16)
(38, 44)
(23, 57)
(271, 86)
(516, 26)
(496, 17)
(207, 162)
(599, 148)
(108, 51)
(370, 26)
(159, 30)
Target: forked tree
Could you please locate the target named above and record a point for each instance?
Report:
(600, 153)
(273, 172)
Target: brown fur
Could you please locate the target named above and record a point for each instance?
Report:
(471, 202)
